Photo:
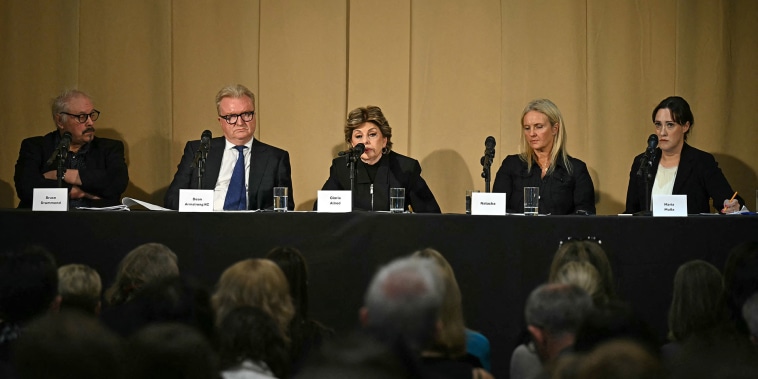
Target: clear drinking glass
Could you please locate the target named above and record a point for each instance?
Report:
(397, 200)
(531, 201)
(281, 195)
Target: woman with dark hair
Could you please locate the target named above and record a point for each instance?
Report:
(251, 346)
(697, 305)
(678, 168)
(143, 265)
(305, 334)
(379, 168)
(741, 280)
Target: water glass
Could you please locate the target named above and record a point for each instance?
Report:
(397, 200)
(468, 200)
(281, 195)
(531, 201)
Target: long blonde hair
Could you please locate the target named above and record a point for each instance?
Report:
(451, 339)
(549, 109)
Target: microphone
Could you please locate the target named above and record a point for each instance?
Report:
(652, 143)
(489, 151)
(359, 149)
(62, 147)
(648, 158)
(205, 141)
(202, 152)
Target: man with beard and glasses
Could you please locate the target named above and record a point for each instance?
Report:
(95, 169)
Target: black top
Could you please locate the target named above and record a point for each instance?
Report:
(393, 170)
(101, 164)
(698, 176)
(561, 192)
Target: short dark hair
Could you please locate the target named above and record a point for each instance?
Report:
(28, 283)
(680, 111)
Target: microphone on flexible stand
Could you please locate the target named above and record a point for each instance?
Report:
(351, 156)
(647, 159)
(486, 161)
(62, 149)
(201, 155)
(644, 171)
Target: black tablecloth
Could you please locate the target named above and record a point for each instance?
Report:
(498, 260)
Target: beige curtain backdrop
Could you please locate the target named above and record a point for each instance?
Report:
(448, 73)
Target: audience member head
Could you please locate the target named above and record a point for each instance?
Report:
(620, 359)
(358, 356)
(80, 288)
(583, 275)
(553, 314)
(741, 279)
(295, 269)
(143, 265)
(715, 354)
(258, 283)
(750, 315)
(28, 284)
(69, 344)
(403, 302)
(698, 300)
(451, 338)
(611, 321)
(170, 351)
(172, 299)
(248, 333)
(591, 251)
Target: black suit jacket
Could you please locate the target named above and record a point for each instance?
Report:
(699, 177)
(269, 168)
(395, 170)
(103, 171)
(561, 192)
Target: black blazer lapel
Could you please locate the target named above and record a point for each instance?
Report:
(684, 171)
(258, 161)
(213, 162)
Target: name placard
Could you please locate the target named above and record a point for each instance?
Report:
(193, 200)
(488, 203)
(50, 199)
(335, 201)
(669, 205)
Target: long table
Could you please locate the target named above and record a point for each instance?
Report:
(498, 260)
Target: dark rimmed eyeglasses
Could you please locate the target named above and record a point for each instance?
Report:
(232, 118)
(82, 118)
(588, 238)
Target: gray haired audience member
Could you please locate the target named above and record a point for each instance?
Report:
(553, 314)
(80, 287)
(403, 302)
(750, 315)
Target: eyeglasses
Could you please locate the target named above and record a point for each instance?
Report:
(82, 118)
(232, 118)
(589, 238)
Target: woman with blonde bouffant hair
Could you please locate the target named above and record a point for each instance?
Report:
(254, 282)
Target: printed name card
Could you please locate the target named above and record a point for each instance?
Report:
(488, 203)
(50, 199)
(335, 201)
(669, 205)
(192, 200)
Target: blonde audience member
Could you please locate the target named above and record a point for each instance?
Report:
(80, 288)
(453, 339)
(258, 283)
